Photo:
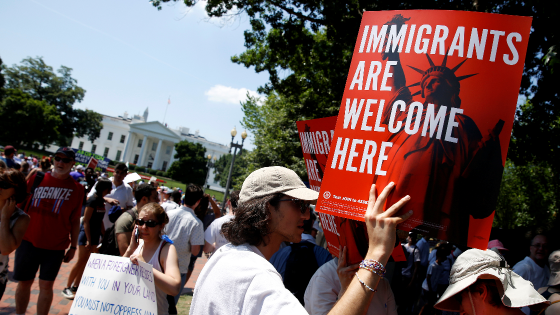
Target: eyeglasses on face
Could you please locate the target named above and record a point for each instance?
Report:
(302, 204)
(64, 160)
(149, 223)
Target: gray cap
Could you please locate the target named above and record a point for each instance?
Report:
(275, 179)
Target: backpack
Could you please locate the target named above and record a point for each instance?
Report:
(300, 267)
(109, 245)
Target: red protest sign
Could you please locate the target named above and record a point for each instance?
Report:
(316, 136)
(429, 104)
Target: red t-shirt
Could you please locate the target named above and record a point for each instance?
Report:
(52, 208)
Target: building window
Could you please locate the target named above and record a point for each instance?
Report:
(110, 136)
(154, 146)
(168, 150)
(106, 152)
(122, 138)
(136, 159)
(118, 157)
(164, 166)
(140, 143)
(93, 148)
(150, 164)
(81, 145)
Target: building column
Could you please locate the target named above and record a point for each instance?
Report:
(156, 158)
(142, 151)
(172, 159)
(126, 144)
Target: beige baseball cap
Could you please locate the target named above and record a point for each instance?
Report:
(272, 180)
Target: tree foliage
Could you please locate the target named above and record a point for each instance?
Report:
(223, 164)
(190, 166)
(527, 197)
(26, 121)
(37, 79)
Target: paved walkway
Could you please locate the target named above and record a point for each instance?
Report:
(60, 304)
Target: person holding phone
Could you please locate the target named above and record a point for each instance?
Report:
(13, 221)
(148, 244)
(90, 231)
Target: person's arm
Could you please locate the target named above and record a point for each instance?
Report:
(133, 244)
(75, 232)
(381, 226)
(87, 227)
(195, 249)
(210, 239)
(428, 280)
(215, 208)
(208, 248)
(10, 239)
(123, 242)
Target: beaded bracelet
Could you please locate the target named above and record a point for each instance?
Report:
(373, 266)
(367, 286)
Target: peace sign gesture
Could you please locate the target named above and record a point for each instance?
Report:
(382, 225)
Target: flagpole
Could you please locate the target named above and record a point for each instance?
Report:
(164, 115)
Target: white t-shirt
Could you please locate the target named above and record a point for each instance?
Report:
(123, 194)
(324, 287)
(239, 280)
(169, 205)
(413, 256)
(530, 271)
(213, 233)
(184, 230)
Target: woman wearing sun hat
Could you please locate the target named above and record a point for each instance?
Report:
(481, 283)
(552, 290)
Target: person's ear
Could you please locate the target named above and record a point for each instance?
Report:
(196, 203)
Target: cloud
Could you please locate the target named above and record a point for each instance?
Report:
(225, 94)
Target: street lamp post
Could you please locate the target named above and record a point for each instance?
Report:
(209, 165)
(235, 146)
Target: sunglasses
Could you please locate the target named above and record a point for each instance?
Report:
(5, 185)
(64, 160)
(149, 223)
(302, 204)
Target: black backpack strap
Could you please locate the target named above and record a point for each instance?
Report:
(159, 256)
(36, 182)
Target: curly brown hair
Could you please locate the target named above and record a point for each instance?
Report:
(251, 220)
(16, 180)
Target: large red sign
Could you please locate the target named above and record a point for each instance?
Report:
(429, 104)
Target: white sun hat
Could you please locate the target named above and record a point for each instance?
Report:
(476, 264)
(275, 179)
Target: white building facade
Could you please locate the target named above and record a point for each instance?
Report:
(149, 144)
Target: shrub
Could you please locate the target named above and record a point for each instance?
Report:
(151, 171)
(160, 173)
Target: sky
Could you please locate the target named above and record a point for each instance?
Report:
(129, 56)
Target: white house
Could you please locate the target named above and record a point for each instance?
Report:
(145, 143)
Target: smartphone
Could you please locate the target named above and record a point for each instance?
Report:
(136, 234)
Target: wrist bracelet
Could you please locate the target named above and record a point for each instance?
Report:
(367, 286)
(373, 266)
(72, 247)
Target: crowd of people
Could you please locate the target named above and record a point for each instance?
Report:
(266, 253)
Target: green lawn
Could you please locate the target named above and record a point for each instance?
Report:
(184, 304)
(173, 183)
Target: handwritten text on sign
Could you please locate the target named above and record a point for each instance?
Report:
(113, 285)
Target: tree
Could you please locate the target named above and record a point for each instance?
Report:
(527, 197)
(223, 165)
(26, 121)
(190, 166)
(37, 79)
(2, 81)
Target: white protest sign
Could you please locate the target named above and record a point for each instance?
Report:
(114, 285)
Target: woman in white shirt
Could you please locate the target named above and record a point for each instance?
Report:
(148, 244)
